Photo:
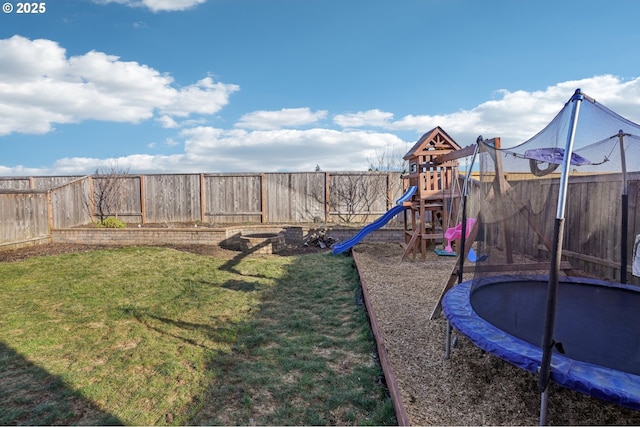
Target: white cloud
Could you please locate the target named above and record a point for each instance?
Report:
(167, 122)
(374, 117)
(140, 25)
(210, 149)
(269, 141)
(284, 149)
(519, 115)
(157, 5)
(136, 163)
(204, 97)
(286, 117)
(40, 86)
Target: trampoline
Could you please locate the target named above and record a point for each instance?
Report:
(581, 333)
(596, 336)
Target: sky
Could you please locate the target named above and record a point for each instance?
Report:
(205, 86)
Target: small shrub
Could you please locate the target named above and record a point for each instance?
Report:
(111, 223)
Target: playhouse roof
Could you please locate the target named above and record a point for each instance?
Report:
(435, 139)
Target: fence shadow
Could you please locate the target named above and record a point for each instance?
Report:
(299, 358)
(233, 244)
(29, 395)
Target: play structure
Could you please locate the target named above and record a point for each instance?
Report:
(527, 302)
(430, 198)
(401, 205)
(455, 233)
(433, 170)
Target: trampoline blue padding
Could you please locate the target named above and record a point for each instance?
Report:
(597, 330)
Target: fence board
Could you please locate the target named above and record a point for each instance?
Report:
(360, 197)
(232, 198)
(10, 183)
(23, 216)
(294, 197)
(70, 204)
(35, 182)
(50, 182)
(172, 198)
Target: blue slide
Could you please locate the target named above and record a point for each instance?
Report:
(347, 244)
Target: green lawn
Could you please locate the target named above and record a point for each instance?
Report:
(158, 336)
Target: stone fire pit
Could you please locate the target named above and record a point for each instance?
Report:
(262, 243)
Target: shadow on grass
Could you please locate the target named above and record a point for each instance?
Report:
(242, 286)
(232, 264)
(29, 395)
(219, 334)
(306, 356)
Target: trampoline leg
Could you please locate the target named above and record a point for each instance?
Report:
(543, 407)
(447, 347)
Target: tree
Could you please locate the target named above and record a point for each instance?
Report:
(107, 190)
(387, 159)
(354, 195)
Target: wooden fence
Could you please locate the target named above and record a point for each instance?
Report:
(592, 237)
(70, 201)
(24, 216)
(258, 197)
(30, 207)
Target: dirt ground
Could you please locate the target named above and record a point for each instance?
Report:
(471, 388)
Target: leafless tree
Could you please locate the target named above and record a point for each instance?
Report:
(353, 196)
(106, 195)
(387, 158)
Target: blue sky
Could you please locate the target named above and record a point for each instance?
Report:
(155, 86)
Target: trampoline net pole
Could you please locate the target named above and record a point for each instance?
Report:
(544, 398)
(556, 254)
(624, 224)
(447, 347)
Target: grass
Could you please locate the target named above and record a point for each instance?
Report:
(150, 336)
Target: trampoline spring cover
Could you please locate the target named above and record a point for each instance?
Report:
(596, 328)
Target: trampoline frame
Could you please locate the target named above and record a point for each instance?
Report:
(594, 380)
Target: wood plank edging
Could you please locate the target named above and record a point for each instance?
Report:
(387, 369)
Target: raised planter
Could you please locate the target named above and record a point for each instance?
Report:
(227, 237)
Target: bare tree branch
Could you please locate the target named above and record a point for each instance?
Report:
(352, 196)
(106, 197)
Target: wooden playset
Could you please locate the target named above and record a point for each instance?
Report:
(433, 169)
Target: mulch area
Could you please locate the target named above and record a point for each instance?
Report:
(471, 388)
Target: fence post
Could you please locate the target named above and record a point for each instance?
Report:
(50, 212)
(143, 205)
(327, 196)
(263, 202)
(92, 204)
(389, 191)
(202, 198)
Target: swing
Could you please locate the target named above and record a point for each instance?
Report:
(447, 251)
(455, 233)
(450, 231)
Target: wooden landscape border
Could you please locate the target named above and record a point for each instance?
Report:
(383, 355)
